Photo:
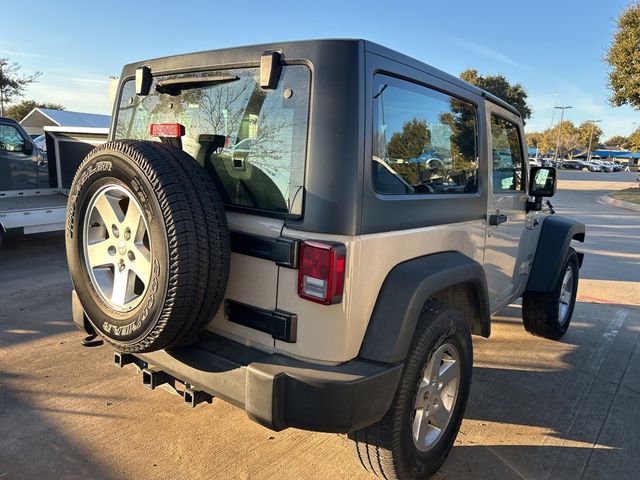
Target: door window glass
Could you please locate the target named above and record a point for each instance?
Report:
(507, 156)
(10, 139)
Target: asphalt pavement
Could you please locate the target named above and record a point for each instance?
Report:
(538, 409)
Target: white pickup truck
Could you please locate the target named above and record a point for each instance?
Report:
(34, 185)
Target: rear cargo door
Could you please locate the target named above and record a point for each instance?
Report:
(251, 141)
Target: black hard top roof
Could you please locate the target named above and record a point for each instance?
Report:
(299, 49)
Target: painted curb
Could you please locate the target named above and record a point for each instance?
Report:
(620, 203)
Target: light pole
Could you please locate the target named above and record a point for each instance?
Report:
(553, 110)
(555, 157)
(593, 124)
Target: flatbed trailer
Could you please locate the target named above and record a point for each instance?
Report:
(35, 211)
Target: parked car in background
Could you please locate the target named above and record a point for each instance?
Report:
(604, 166)
(616, 166)
(592, 167)
(582, 165)
(573, 164)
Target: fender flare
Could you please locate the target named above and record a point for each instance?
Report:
(553, 245)
(403, 294)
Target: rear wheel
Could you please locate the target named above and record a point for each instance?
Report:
(147, 244)
(548, 314)
(415, 436)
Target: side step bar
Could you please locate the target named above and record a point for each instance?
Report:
(152, 378)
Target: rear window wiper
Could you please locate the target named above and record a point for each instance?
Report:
(174, 86)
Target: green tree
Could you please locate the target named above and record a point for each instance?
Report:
(623, 58)
(633, 143)
(569, 139)
(534, 140)
(513, 94)
(616, 142)
(22, 109)
(411, 142)
(12, 84)
(584, 134)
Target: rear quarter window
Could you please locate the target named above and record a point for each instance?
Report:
(425, 141)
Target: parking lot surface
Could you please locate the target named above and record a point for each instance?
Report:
(538, 409)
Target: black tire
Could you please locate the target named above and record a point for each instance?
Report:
(189, 244)
(541, 313)
(387, 449)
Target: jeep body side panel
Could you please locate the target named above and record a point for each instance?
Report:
(334, 333)
(335, 119)
(403, 295)
(553, 244)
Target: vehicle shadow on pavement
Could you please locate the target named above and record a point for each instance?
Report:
(545, 409)
(32, 442)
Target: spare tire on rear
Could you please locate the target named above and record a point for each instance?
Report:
(147, 244)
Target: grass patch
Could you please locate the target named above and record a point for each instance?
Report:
(628, 195)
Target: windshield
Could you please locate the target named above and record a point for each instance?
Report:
(251, 141)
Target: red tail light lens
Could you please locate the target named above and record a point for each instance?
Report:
(169, 130)
(321, 274)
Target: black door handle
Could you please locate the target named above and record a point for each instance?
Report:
(497, 219)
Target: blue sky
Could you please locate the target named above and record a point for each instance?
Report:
(554, 48)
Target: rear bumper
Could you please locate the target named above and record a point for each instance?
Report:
(277, 391)
(280, 392)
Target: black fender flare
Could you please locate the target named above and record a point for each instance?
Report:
(404, 292)
(553, 244)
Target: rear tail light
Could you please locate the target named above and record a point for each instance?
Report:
(321, 274)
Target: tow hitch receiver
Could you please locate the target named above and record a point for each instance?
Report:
(194, 397)
(152, 378)
(122, 359)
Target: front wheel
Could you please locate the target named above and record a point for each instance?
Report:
(415, 436)
(548, 314)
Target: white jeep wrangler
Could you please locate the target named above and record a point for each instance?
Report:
(312, 231)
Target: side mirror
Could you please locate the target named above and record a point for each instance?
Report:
(543, 182)
(27, 149)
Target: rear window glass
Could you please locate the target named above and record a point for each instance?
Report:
(251, 141)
